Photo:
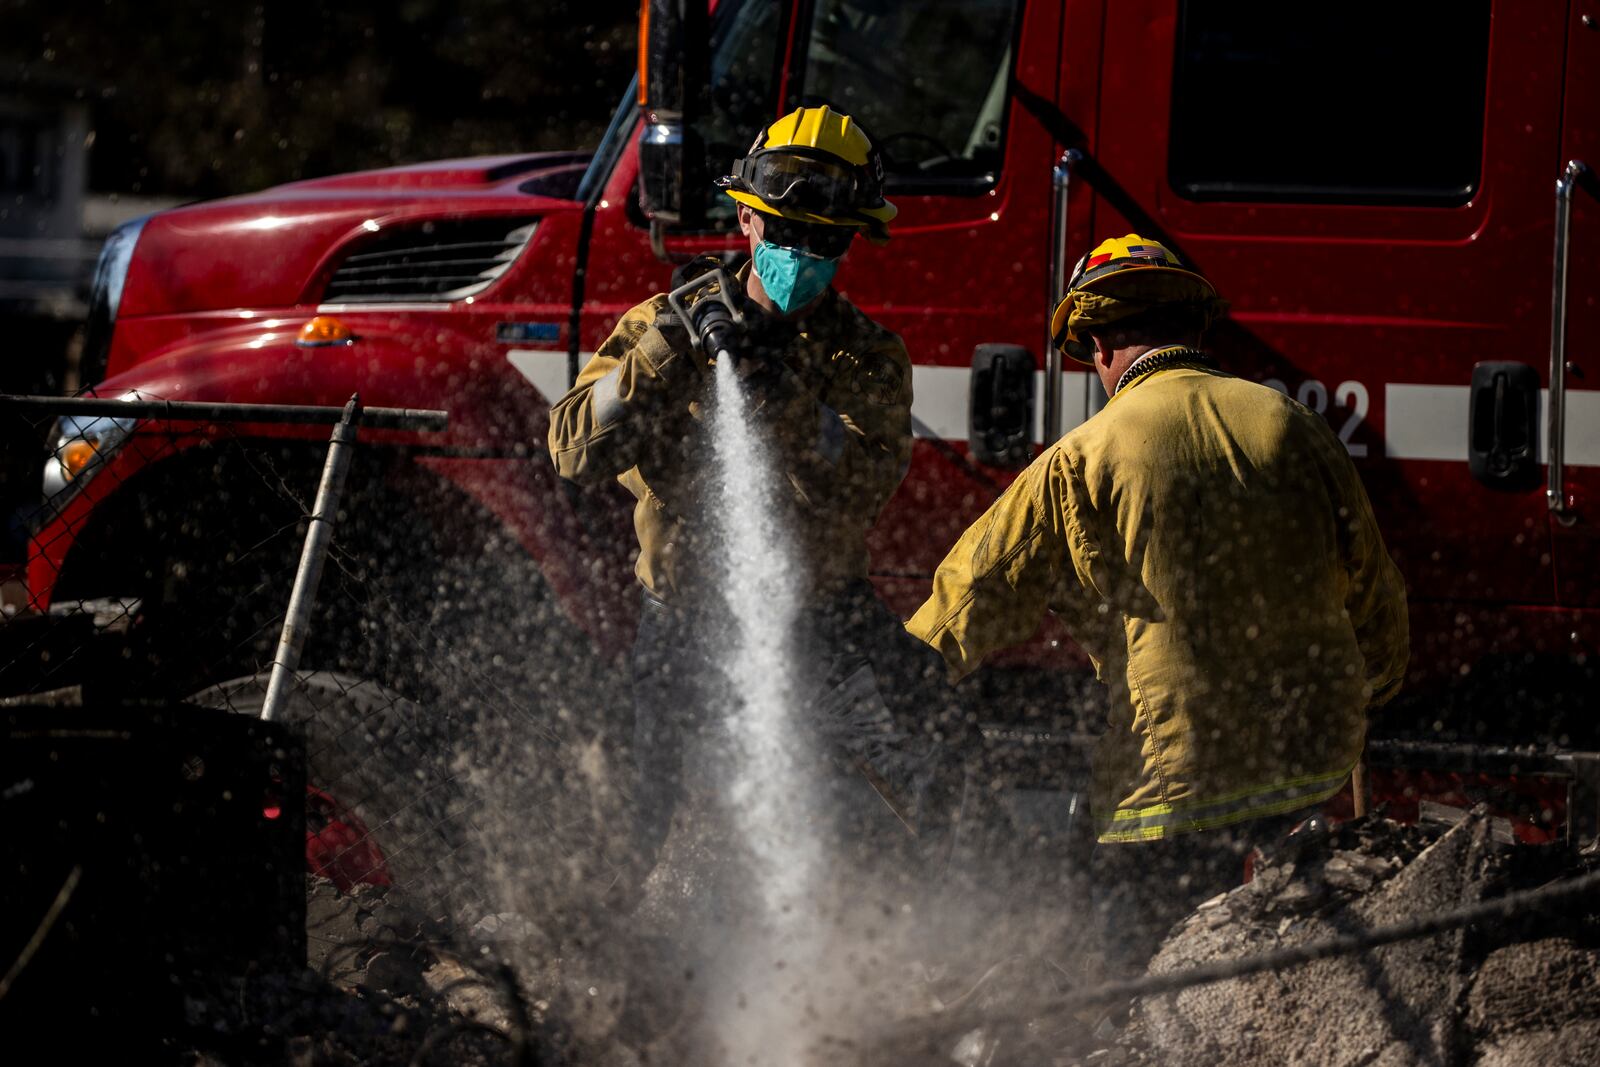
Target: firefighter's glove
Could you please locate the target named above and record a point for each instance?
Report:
(710, 316)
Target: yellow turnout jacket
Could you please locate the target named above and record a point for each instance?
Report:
(1209, 543)
(839, 422)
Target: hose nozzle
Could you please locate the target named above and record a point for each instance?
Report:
(715, 322)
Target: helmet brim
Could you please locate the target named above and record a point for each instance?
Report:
(871, 219)
(1062, 334)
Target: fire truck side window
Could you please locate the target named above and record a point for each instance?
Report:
(928, 81)
(1365, 101)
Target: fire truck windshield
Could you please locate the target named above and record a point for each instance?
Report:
(927, 80)
(610, 146)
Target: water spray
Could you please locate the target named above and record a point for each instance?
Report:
(768, 792)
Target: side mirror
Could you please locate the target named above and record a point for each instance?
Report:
(1503, 426)
(674, 70)
(1000, 416)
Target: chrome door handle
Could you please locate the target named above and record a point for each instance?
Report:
(1555, 492)
(1061, 180)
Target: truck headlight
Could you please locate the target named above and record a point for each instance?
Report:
(81, 446)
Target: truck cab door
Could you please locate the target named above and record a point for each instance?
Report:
(1381, 223)
(1574, 467)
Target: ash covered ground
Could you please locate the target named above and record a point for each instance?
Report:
(919, 986)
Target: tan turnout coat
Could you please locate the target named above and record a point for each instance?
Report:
(839, 424)
(1209, 543)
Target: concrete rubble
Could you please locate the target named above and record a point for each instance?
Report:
(1470, 997)
(386, 985)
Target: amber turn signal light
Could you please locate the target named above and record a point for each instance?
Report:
(324, 330)
(76, 456)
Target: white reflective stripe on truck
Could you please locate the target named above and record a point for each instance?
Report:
(1430, 422)
(546, 369)
(1420, 421)
(940, 405)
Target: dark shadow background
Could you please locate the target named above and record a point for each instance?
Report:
(201, 100)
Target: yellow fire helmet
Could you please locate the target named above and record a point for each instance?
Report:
(818, 167)
(1122, 277)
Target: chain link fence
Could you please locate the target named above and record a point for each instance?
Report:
(461, 777)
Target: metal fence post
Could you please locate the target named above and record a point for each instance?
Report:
(319, 534)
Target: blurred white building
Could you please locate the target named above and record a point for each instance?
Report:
(45, 256)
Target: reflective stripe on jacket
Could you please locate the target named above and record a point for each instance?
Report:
(1209, 543)
(839, 419)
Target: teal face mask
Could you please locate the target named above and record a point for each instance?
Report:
(792, 278)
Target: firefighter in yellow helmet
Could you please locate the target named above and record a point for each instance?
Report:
(1208, 542)
(833, 400)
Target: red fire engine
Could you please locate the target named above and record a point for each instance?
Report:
(1392, 197)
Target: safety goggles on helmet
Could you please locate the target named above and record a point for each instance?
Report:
(829, 242)
(799, 179)
(818, 166)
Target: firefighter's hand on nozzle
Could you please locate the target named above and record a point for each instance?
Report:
(707, 300)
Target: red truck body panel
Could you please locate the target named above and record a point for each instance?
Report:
(1374, 314)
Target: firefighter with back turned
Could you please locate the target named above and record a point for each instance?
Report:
(1208, 542)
